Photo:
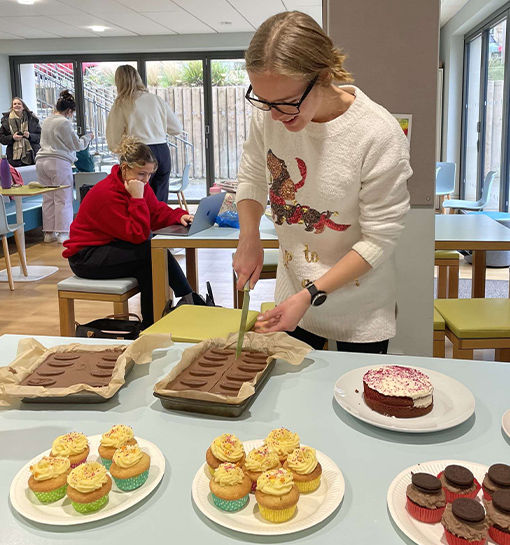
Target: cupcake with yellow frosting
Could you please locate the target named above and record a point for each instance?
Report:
(49, 478)
(88, 487)
(118, 436)
(260, 460)
(277, 495)
(130, 467)
(230, 487)
(283, 442)
(305, 468)
(72, 445)
(225, 448)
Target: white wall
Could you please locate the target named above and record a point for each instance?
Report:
(5, 88)
(451, 52)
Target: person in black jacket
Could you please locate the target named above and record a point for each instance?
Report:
(20, 131)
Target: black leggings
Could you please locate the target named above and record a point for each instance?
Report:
(120, 259)
(161, 178)
(317, 342)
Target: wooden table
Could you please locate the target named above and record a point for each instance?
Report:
(474, 232)
(34, 272)
(215, 237)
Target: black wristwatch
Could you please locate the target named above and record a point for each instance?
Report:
(318, 297)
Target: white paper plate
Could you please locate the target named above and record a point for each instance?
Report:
(311, 509)
(505, 423)
(420, 532)
(453, 403)
(62, 513)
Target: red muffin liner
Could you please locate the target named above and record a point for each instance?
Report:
(486, 494)
(455, 540)
(452, 496)
(502, 538)
(423, 514)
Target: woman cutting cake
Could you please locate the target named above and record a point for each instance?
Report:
(335, 165)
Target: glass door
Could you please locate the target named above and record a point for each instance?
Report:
(493, 118)
(181, 84)
(471, 119)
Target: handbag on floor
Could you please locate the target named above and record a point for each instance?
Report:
(114, 326)
(198, 300)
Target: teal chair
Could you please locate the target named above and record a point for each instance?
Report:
(458, 204)
(445, 181)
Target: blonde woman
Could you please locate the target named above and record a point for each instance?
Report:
(110, 237)
(146, 116)
(335, 166)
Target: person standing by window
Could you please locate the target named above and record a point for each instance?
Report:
(335, 166)
(59, 144)
(20, 131)
(136, 112)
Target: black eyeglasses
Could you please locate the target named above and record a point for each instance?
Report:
(288, 108)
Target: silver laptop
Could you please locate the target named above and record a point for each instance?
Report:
(205, 217)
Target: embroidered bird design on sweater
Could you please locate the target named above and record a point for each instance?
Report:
(283, 189)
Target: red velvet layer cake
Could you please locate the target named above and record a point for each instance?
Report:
(398, 391)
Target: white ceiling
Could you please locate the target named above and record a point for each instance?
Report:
(449, 8)
(72, 18)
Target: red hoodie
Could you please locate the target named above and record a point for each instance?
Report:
(110, 213)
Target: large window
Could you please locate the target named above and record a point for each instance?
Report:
(485, 110)
(206, 91)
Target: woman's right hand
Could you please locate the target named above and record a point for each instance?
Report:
(134, 188)
(248, 261)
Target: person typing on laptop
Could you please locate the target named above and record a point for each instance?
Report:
(110, 236)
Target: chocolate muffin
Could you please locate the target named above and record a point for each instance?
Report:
(497, 478)
(458, 482)
(465, 522)
(426, 500)
(498, 513)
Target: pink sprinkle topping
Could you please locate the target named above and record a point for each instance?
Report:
(395, 380)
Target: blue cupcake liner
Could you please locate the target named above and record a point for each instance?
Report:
(133, 482)
(230, 505)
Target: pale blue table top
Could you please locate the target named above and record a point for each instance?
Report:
(298, 398)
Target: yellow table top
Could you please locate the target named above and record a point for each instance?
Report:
(25, 191)
(193, 324)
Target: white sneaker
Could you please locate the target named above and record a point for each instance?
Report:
(62, 237)
(50, 237)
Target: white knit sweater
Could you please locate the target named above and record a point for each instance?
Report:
(334, 187)
(150, 120)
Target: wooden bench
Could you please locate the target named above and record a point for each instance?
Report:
(117, 291)
(447, 262)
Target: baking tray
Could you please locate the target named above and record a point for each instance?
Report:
(212, 407)
(78, 397)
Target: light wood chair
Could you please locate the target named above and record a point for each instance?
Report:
(16, 230)
(439, 335)
(477, 324)
(268, 271)
(447, 262)
(117, 291)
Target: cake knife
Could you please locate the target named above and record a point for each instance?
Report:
(244, 317)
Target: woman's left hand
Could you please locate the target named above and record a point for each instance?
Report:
(26, 134)
(187, 219)
(286, 316)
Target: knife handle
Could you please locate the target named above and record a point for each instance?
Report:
(247, 286)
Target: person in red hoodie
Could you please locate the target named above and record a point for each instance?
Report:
(110, 236)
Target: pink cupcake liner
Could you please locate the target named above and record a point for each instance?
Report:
(452, 496)
(502, 538)
(430, 516)
(78, 464)
(455, 540)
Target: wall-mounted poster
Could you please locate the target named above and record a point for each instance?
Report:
(405, 121)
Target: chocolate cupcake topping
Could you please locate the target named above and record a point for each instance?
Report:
(426, 483)
(500, 475)
(458, 476)
(501, 500)
(467, 510)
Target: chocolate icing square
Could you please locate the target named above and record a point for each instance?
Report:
(65, 369)
(219, 372)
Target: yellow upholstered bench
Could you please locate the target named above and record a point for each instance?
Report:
(477, 324)
(447, 262)
(268, 271)
(439, 329)
(192, 324)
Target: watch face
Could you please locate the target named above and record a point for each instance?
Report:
(319, 299)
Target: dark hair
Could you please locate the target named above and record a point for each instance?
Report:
(65, 102)
(25, 107)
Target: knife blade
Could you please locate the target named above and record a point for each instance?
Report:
(244, 318)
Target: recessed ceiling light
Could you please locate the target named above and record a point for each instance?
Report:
(95, 28)
(225, 22)
(27, 2)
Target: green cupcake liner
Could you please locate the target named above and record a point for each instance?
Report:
(84, 508)
(133, 482)
(230, 505)
(53, 495)
(107, 463)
